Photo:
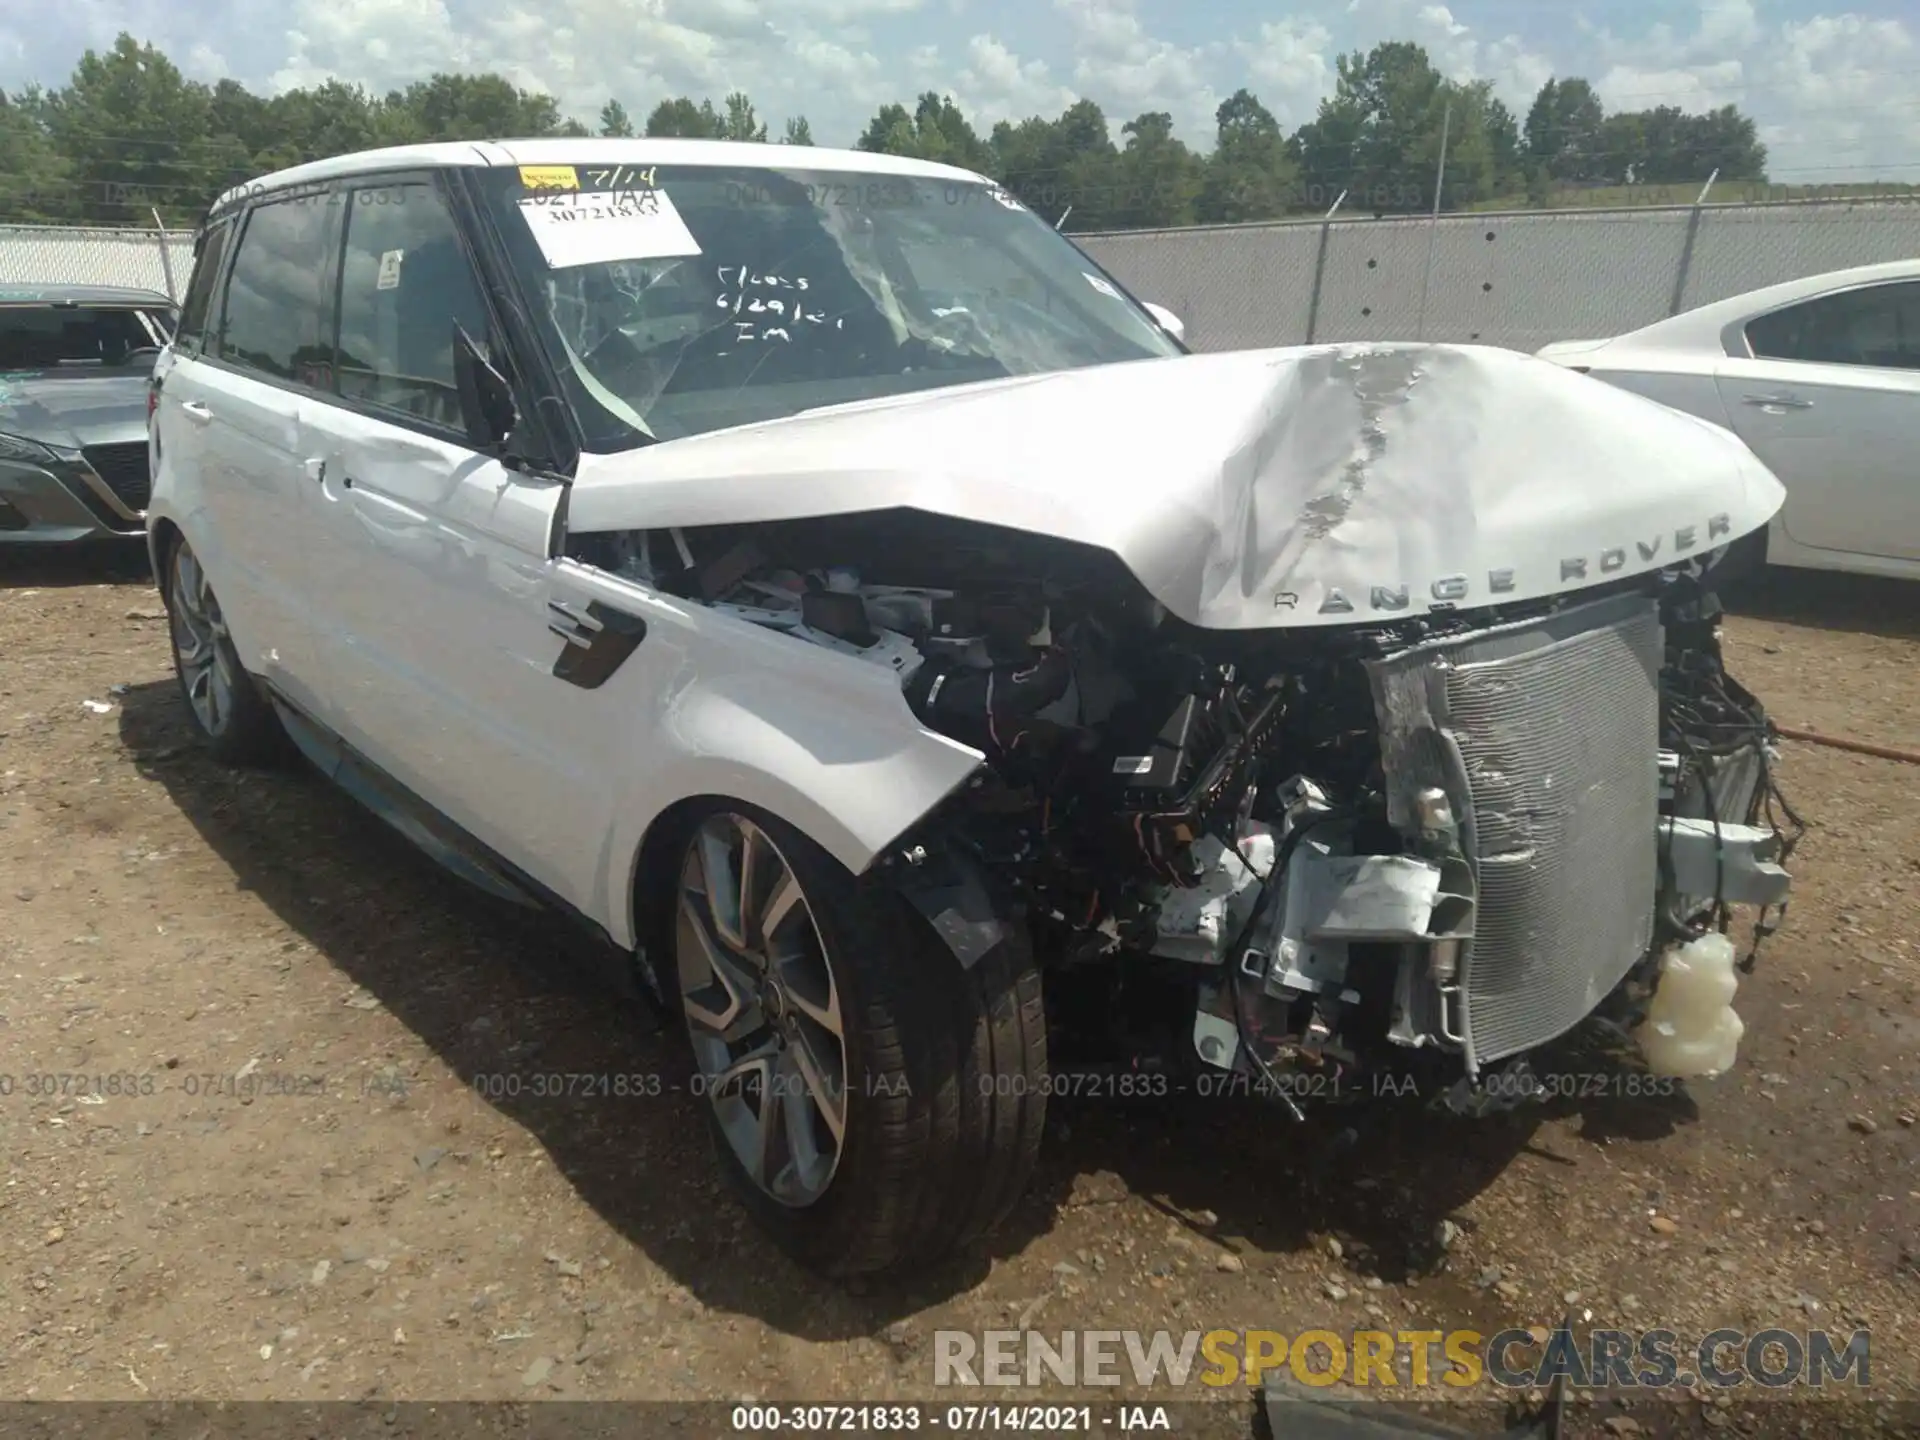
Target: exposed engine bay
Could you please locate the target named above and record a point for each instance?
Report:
(1292, 858)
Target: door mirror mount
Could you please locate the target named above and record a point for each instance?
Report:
(487, 410)
(1167, 321)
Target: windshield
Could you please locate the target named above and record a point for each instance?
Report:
(676, 300)
(80, 337)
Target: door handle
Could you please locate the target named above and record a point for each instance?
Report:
(317, 470)
(1779, 402)
(196, 412)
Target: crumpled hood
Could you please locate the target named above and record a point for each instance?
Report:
(1310, 485)
(73, 410)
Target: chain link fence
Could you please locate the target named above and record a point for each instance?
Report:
(62, 255)
(1516, 279)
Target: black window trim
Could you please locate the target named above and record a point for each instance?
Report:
(1737, 345)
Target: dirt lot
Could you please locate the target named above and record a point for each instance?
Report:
(352, 1218)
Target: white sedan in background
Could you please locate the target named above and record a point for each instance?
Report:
(1821, 378)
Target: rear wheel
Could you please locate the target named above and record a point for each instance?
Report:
(874, 1105)
(234, 720)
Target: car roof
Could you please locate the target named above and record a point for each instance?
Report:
(1701, 327)
(82, 295)
(591, 150)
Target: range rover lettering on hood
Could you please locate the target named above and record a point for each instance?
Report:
(1294, 487)
(1449, 591)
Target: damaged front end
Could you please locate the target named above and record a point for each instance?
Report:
(1285, 860)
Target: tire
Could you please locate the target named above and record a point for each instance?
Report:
(234, 721)
(940, 1072)
(1744, 567)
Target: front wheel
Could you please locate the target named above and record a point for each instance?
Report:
(234, 720)
(874, 1105)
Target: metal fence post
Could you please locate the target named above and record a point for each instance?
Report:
(166, 255)
(1433, 225)
(1320, 266)
(1686, 247)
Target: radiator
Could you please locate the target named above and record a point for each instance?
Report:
(1545, 735)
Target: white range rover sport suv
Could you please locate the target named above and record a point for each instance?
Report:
(819, 576)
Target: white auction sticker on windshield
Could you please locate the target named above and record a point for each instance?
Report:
(592, 227)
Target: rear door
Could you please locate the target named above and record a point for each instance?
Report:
(1830, 400)
(252, 391)
(177, 435)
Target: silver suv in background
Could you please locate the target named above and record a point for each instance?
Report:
(74, 365)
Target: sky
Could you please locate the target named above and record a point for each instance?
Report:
(1835, 91)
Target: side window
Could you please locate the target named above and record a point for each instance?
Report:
(279, 311)
(1878, 325)
(195, 310)
(405, 284)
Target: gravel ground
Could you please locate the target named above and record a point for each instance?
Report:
(355, 1219)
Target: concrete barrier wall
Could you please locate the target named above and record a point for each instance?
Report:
(1520, 279)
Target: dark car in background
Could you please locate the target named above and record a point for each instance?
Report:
(75, 362)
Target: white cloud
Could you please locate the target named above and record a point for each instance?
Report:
(1129, 71)
(839, 12)
(205, 62)
(1832, 95)
(1516, 70)
(386, 42)
(1291, 68)
(787, 59)
(996, 84)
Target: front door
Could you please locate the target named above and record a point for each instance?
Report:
(436, 560)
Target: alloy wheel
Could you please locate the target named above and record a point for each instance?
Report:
(201, 643)
(762, 1009)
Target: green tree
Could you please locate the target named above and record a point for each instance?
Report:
(34, 182)
(135, 135)
(468, 107)
(1021, 153)
(935, 130)
(614, 121)
(1727, 141)
(680, 118)
(1250, 175)
(1539, 187)
(740, 123)
(1563, 132)
(1062, 166)
(798, 131)
(1378, 136)
(1159, 177)
(333, 118)
(1473, 170)
(1504, 147)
